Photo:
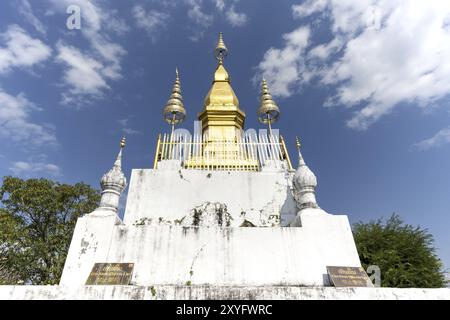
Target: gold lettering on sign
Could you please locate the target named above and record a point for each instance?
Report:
(110, 274)
(348, 277)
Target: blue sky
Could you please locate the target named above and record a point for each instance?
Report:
(364, 83)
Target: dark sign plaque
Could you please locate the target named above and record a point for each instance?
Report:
(349, 277)
(110, 274)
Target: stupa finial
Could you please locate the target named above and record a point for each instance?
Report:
(221, 50)
(297, 143)
(118, 162)
(268, 111)
(174, 111)
(301, 161)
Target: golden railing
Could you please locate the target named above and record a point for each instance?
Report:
(248, 153)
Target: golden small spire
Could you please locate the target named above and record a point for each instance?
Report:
(301, 161)
(221, 50)
(268, 111)
(174, 111)
(118, 162)
(297, 142)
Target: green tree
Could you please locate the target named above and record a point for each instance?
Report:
(405, 254)
(37, 218)
(6, 276)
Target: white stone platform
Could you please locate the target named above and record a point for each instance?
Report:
(242, 256)
(170, 193)
(218, 228)
(216, 293)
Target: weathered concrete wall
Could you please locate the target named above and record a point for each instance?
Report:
(178, 255)
(168, 195)
(212, 228)
(215, 292)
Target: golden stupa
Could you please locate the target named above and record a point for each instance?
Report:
(222, 144)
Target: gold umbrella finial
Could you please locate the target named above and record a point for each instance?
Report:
(174, 111)
(122, 142)
(268, 111)
(221, 50)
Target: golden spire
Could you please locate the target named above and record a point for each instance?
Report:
(301, 161)
(221, 116)
(297, 142)
(221, 50)
(118, 162)
(268, 111)
(174, 112)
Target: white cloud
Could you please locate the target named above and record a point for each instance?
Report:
(129, 131)
(27, 12)
(124, 124)
(19, 50)
(111, 53)
(150, 20)
(439, 139)
(308, 7)
(27, 169)
(115, 24)
(83, 74)
(196, 14)
(104, 59)
(282, 67)
(202, 20)
(15, 123)
(153, 20)
(236, 19)
(220, 4)
(96, 16)
(323, 51)
(388, 52)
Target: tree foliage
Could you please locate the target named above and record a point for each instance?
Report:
(37, 218)
(405, 254)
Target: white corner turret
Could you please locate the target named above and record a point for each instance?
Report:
(113, 183)
(305, 183)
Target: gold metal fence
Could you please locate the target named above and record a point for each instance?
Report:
(248, 153)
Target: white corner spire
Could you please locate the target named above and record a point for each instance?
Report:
(305, 183)
(113, 183)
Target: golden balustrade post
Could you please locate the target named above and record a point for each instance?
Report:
(155, 164)
(286, 152)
